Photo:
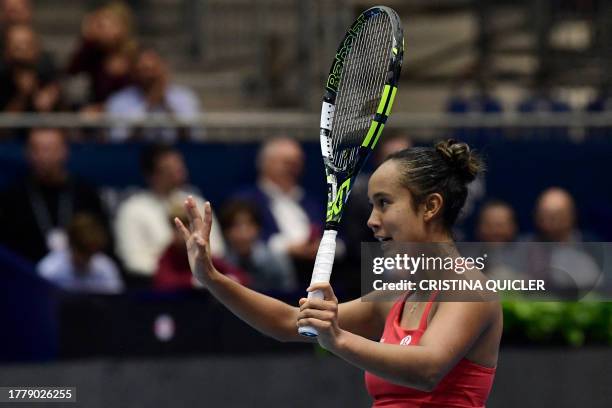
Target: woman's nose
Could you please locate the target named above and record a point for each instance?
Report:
(373, 221)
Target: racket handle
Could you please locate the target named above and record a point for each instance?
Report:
(321, 272)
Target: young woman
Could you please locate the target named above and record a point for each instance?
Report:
(416, 352)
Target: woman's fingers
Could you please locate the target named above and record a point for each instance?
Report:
(326, 315)
(181, 228)
(325, 287)
(207, 221)
(320, 325)
(195, 219)
(318, 304)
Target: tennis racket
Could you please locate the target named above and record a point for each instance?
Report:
(359, 94)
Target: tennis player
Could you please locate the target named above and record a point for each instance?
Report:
(417, 352)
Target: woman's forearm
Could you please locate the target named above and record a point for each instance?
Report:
(268, 315)
(411, 366)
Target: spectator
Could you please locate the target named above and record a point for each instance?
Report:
(152, 93)
(35, 211)
(571, 264)
(173, 271)
(290, 220)
(105, 53)
(270, 272)
(496, 232)
(83, 267)
(13, 12)
(496, 222)
(29, 77)
(141, 227)
(555, 217)
(358, 211)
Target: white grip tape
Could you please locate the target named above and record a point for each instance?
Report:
(327, 115)
(321, 271)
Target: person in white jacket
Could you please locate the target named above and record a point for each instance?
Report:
(141, 225)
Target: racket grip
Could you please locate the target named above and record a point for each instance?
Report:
(321, 272)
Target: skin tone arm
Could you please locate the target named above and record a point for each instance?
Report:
(450, 335)
(266, 314)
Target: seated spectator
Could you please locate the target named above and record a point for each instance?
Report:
(270, 272)
(105, 53)
(496, 222)
(29, 77)
(290, 220)
(555, 217)
(152, 93)
(36, 210)
(358, 211)
(141, 225)
(13, 12)
(173, 271)
(83, 267)
(570, 265)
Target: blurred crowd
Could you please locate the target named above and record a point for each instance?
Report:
(124, 79)
(265, 235)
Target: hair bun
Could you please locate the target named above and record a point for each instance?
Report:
(461, 158)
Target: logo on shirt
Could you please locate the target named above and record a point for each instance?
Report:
(406, 340)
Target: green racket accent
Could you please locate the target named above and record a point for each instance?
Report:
(390, 104)
(383, 100)
(374, 133)
(378, 133)
(370, 133)
(334, 209)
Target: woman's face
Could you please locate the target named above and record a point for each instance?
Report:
(393, 216)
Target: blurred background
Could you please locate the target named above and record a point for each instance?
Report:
(114, 112)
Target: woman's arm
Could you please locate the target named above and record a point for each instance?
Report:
(266, 314)
(450, 335)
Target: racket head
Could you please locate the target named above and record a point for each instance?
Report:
(359, 94)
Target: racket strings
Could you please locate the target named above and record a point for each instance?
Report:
(363, 76)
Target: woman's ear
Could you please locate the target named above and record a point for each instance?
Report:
(433, 206)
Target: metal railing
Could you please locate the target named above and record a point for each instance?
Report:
(254, 126)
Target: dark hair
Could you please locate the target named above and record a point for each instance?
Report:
(447, 169)
(231, 209)
(151, 155)
(86, 234)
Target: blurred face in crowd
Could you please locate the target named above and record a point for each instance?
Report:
(22, 46)
(170, 173)
(149, 68)
(282, 162)
(16, 12)
(110, 29)
(47, 154)
(555, 215)
(496, 224)
(392, 145)
(242, 233)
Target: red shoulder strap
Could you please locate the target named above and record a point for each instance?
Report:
(425, 316)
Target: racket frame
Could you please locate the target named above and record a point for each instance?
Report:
(340, 181)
